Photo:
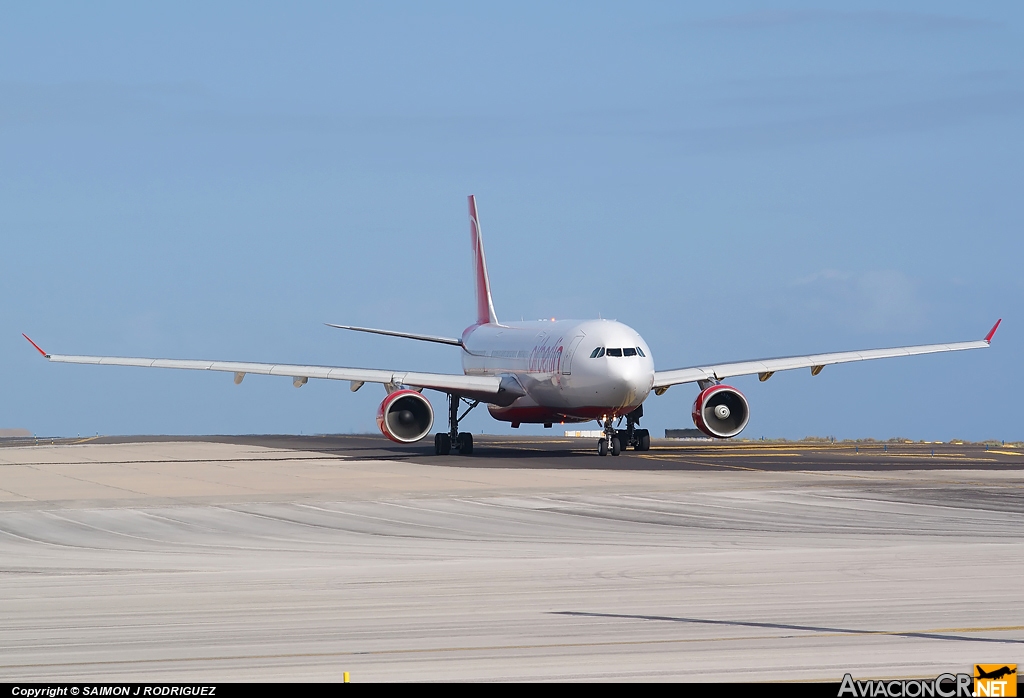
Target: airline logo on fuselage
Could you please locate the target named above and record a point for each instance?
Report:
(546, 358)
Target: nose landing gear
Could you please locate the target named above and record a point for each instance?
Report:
(606, 446)
(617, 440)
(461, 442)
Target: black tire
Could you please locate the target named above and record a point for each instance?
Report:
(602, 447)
(442, 444)
(616, 448)
(466, 443)
(623, 436)
(643, 440)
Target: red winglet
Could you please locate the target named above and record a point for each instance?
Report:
(991, 333)
(35, 345)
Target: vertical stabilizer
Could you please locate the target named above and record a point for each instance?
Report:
(484, 304)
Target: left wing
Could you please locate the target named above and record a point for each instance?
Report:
(764, 368)
(497, 389)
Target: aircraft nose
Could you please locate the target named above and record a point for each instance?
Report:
(632, 385)
(639, 385)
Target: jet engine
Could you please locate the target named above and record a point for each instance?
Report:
(405, 416)
(721, 411)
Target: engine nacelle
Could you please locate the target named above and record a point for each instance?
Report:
(721, 411)
(405, 416)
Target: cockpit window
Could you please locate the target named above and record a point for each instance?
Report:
(641, 352)
(629, 351)
(597, 353)
(614, 352)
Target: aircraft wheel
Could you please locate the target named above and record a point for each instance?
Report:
(466, 443)
(616, 449)
(602, 447)
(442, 444)
(643, 440)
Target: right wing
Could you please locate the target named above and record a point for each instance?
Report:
(494, 389)
(764, 368)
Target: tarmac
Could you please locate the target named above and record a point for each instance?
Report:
(263, 558)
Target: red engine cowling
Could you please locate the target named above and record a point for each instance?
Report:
(721, 411)
(405, 416)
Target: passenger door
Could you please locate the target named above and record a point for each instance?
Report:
(568, 354)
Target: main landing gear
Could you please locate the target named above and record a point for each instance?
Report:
(617, 440)
(463, 443)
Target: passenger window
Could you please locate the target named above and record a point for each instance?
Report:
(614, 352)
(597, 353)
(629, 351)
(641, 352)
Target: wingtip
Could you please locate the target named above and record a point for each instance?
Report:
(35, 345)
(992, 332)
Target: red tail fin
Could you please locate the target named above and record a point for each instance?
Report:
(484, 304)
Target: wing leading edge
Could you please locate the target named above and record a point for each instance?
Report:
(764, 368)
(496, 389)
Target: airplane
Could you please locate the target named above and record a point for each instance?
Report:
(996, 674)
(541, 372)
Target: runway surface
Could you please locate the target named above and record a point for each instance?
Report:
(299, 558)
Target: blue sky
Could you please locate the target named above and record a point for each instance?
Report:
(733, 180)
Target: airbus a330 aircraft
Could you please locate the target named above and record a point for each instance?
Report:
(541, 373)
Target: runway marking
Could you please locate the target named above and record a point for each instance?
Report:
(938, 634)
(673, 459)
(886, 454)
(540, 442)
(873, 475)
(912, 450)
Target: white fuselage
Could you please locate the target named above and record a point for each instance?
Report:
(555, 363)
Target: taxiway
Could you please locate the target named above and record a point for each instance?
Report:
(299, 558)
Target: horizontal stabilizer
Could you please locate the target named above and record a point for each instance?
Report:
(407, 335)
